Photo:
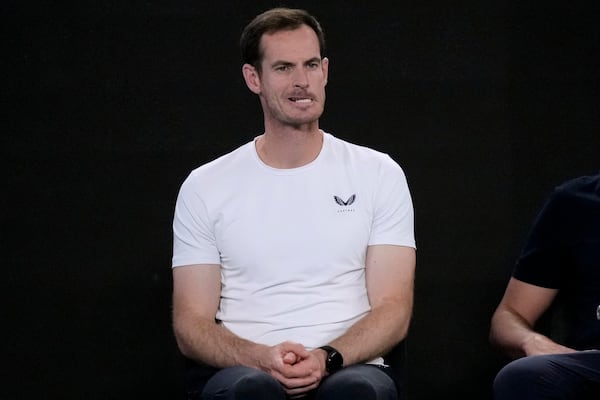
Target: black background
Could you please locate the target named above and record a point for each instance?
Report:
(107, 106)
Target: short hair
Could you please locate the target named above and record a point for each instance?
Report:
(275, 20)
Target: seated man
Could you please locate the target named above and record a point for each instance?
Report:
(294, 255)
(561, 255)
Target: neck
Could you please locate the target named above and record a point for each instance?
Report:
(289, 148)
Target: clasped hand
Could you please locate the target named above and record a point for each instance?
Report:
(297, 369)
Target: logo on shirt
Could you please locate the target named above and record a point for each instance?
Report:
(345, 203)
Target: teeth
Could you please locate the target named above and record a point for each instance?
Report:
(302, 100)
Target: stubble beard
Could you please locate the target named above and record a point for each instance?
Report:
(286, 119)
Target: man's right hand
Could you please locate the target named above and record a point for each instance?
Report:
(297, 369)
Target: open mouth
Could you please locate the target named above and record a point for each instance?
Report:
(304, 100)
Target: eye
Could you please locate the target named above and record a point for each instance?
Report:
(282, 68)
(313, 65)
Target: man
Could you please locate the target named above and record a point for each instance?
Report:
(561, 256)
(294, 255)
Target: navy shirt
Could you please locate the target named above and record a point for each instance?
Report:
(563, 252)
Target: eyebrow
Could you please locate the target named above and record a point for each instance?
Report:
(314, 59)
(282, 62)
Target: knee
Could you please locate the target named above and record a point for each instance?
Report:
(256, 384)
(358, 386)
(518, 377)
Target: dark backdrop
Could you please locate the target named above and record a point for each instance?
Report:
(108, 106)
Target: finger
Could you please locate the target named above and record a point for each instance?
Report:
(300, 391)
(290, 358)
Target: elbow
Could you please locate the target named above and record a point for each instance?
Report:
(183, 348)
(402, 333)
(493, 338)
(402, 329)
(182, 341)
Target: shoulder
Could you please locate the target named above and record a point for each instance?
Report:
(582, 190)
(352, 152)
(587, 184)
(223, 165)
(215, 176)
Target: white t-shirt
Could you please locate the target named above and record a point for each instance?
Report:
(292, 242)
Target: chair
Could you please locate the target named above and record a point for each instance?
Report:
(396, 358)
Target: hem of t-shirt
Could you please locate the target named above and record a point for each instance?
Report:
(186, 262)
(411, 244)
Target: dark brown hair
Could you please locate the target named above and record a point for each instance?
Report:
(274, 20)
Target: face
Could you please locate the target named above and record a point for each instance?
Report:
(292, 82)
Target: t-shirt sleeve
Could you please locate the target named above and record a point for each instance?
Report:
(393, 222)
(193, 236)
(542, 259)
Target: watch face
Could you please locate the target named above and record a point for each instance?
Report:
(334, 361)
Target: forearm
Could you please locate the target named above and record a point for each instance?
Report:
(375, 334)
(509, 332)
(517, 338)
(513, 323)
(211, 343)
(390, 286)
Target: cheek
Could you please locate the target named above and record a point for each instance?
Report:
(274, 89)
(320, 81)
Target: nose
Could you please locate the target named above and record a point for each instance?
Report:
(301, 78)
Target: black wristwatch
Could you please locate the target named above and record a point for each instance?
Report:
(334, 360)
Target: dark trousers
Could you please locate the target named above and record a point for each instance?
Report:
(361, 381)
(557, 376)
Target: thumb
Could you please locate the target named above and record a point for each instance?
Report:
(290, 358)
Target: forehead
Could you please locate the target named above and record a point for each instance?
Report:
(301, 43)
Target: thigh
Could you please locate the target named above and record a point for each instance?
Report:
(588, 364)
(360, 381)
(238, 383)
(556, 376)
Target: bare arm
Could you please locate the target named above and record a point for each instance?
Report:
(513, 323)
(196, 296)
(390, 281)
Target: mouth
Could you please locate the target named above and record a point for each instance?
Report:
(301, 100)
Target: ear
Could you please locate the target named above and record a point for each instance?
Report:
(252, 78)
(325, 68)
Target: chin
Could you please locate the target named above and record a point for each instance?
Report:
(305, 119)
